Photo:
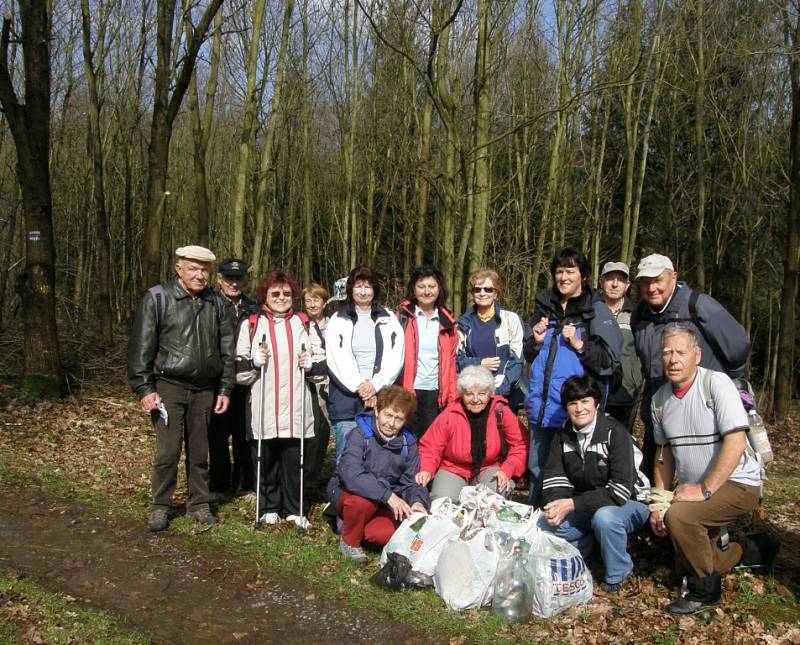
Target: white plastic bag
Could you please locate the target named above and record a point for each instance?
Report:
(464, 576)
(519, 520)
(561, 578)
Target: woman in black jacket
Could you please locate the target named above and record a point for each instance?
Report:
(592, 483)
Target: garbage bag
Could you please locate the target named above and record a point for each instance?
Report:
(394, 573)
(466, 569)
(561, 578)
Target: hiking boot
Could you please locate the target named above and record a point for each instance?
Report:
(615, 587)
(299, 520)
(158, 519)
(697, 593)
(203, 515)
(355, 553)
(270, 518)
(758, 552)
(219, 497)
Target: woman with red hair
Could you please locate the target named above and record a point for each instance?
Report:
(278, 340)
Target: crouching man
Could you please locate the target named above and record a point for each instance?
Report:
(700, 430)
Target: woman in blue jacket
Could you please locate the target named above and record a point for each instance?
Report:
(574, 333)
(373, 489)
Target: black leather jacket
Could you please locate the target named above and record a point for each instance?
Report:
(192, 346)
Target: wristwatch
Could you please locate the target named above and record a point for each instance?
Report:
(706, 493)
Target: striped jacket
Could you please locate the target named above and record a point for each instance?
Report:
(284, 384)
(606, 475)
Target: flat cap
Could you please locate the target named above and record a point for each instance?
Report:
(653, 266)
(197, 253)
(610, 267)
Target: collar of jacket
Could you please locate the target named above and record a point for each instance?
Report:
(177, 291)
(266, 311)
(602, 428)
(446, 319)
(348, 310)
(679, 296)
(473, 311)
(581, 305)
(395, 443)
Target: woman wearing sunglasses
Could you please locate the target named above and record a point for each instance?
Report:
(492, 337)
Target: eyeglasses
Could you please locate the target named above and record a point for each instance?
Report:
(485, 289)
(278, 294)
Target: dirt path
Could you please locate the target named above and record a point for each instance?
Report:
(158, 586)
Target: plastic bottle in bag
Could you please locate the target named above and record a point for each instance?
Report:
(758, 436)
(513, 589)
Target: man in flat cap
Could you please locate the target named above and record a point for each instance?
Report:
(723, 341)
(624, 399)
(224, 481)
(180, 364)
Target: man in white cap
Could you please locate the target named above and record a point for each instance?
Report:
(181, 365)
(624, 399)
(723, 341)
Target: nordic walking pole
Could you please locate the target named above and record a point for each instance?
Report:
(302, 437)
(263, 388)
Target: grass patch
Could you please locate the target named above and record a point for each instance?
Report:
(31, 614)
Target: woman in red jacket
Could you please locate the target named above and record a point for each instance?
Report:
(431, 338)
(475, 440)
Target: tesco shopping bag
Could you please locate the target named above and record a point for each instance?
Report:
(561, 578)
(464, 576)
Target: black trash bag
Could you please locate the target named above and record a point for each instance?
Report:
(394, 573)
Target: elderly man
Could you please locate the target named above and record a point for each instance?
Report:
(624, 399)
(223, 480)
(700, 428)
(180, 364)
(724, 342)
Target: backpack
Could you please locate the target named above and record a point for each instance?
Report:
(408, 439)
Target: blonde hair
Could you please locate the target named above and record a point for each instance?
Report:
(487, 274)
(316, 290)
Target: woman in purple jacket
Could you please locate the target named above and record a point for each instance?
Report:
(373, 489)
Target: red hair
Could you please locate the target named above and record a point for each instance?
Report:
(277, 277)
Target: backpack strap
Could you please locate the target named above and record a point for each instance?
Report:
(252, 323)
(498, 417)
(157, 293)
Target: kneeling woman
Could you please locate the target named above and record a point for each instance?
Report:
(373, 489)
(475, 440)
(592, 482)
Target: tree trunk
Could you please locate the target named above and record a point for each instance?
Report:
(29, 122)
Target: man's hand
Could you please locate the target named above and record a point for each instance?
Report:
(689, 493)
(151, 402)
(657, 524)
(423, 478)
(399, 507)
(222, 404)
(557, 510)
(503, 481)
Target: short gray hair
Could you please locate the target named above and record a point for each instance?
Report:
(475, 376)
(675, 328)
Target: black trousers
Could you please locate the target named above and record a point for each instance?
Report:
(427, 411)
(317, 448)
(280, 477)
(222, 477)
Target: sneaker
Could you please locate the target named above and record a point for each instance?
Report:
(299, 520)
(270, 518)
(203, 515)
(758, 552)
(158, 519)
(352, 552)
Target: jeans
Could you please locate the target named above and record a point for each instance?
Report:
(539, 451)
(610, 526)
(340, 432)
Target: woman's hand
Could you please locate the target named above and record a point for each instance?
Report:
(261, 356)
(423, 477)
(399, 507)
(304, 361)
(557, 510)
(570, 333)
(419, 507)
(366, 390)
(540, 330)
(503, 481)
(492, 363)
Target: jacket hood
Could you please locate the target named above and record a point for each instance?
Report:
(582, 304)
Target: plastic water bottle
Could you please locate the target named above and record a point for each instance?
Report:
(513, 590)
(758, 436)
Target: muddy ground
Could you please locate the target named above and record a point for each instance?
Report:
(159, 586)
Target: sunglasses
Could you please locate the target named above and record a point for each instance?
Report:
(484, 289)
(278, 294)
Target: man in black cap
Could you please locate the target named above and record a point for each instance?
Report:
(224, 481)
(181, 366)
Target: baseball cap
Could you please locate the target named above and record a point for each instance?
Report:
(197, 253)
(610, 267)
(653, 266)
(234, 268)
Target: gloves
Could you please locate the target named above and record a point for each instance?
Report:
(660, 500)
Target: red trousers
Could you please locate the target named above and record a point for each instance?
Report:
(365, 520)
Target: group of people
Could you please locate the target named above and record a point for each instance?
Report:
(422, 403)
